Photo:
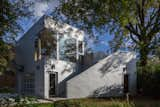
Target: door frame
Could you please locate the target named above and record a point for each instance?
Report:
(56, 84)
(126, 83)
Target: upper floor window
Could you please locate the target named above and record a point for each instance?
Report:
(45, 44)
(58, 45)
(48, 43)
(70, 49)
(37, 53)
(67, 48)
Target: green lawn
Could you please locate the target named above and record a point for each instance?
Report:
(108, 103)
(101, 103)
(39, 105)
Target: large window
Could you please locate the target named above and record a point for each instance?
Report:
(48, 42)
(60, 46)
(45, 44)
(70, 48)
(67, 49)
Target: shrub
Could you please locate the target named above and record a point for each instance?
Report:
(122, 104)
(148, 82)
(18, 102)
(6, 90)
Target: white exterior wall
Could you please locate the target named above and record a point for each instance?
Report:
(95, 81)
(103, 79)
(63, 68)
(25, 56)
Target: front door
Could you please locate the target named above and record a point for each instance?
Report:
(52, 84)
(126, 83)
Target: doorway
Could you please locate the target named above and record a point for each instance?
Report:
(126, 83)
(53, 80)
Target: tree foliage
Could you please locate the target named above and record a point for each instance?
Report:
(10, 12)
(150, 78)
(6, 54)
(136, 20)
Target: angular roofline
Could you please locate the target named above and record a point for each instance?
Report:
(41, 20)
(30, 29)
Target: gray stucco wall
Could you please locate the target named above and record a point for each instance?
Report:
(131, 70)
(103, 79)
(25, 57)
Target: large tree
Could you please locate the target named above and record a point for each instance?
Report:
(136, 20)
(10, 12)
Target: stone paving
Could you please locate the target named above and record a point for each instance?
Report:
(50, 100)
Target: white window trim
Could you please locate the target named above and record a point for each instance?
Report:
(78, 53)
(57, 46)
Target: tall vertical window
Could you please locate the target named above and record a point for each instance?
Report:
(36, 50)
(37, 53)
(80, 47)
(45, 45)
(48, 43)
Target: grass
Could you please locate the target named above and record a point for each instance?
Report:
(45, 105)
(39, 105)
(108, 103)
(101, 103)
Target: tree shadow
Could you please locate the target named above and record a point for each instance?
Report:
(113, 61)
(108, 91)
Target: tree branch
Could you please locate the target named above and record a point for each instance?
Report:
(134, 40)
(156, 26)
(132, 30)
(151, 19)
(139, 11)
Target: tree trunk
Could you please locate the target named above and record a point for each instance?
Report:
(142, 71)
(143, 58)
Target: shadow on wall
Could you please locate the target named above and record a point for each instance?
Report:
(62, 86)
(62, 89)
(113, 62)
(108, 91)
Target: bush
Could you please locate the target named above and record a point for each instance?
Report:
(122, 104)
(6, 90)
(18, 102)
(149, 82)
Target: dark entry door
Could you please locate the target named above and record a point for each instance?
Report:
(52, 84)
(126, 83)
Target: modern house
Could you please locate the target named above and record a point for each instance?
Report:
(50, 62)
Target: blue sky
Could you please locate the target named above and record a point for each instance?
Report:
(41, 8)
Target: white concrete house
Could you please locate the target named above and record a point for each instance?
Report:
(58, 72)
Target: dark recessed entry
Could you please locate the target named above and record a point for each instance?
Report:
(53, 80)
(126, 83)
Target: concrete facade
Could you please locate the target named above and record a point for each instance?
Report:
(34, 77)
(105, 78)
(40, 70)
